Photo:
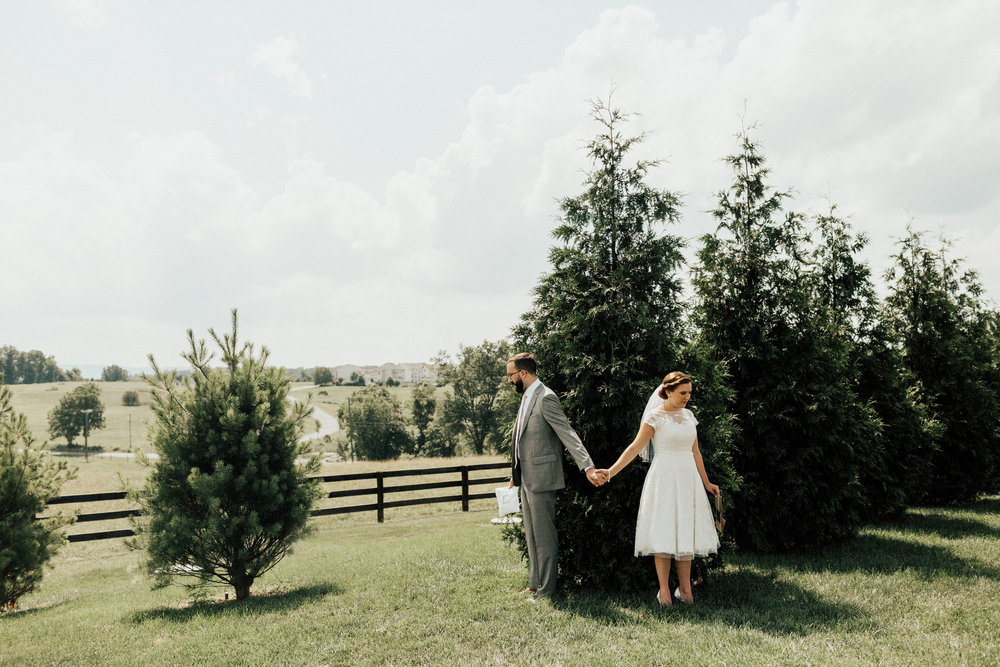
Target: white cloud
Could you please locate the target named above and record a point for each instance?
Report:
(891, 107)
(89, 16)
(278, 56)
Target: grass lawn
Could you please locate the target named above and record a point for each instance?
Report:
(442, 589)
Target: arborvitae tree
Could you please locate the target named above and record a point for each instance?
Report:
(605, 327)
(226, 499)
(800, 420)
(478, 406)
(28, 480)
(895, 466)
(375, 424)
(67, 419)
(936, 309)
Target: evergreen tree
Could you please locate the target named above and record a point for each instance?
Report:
(605, 327)
(895, 465)
(226, 500)
(375, 424)
(28, 480)
(68, 419)
(936, 309)
(800, 420)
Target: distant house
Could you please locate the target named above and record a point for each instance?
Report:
(411, 373)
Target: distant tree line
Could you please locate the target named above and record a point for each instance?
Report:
(33, 367)
(19, 367)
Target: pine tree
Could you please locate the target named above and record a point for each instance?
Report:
(605, 327)
(28, 480)
(226, 499)
(789, 363)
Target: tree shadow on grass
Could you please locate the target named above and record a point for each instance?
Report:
(948, 527)
(881, 554)
(989, 505)
(740, 598)
(272, 602)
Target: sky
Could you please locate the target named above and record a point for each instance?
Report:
(377, 181)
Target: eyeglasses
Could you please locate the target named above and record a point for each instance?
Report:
(514, 373)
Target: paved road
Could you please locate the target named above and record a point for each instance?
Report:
(328, 424)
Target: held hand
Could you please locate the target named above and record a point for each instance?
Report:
(605, 474)
(511, 485)
(595, 477)
(712, 488)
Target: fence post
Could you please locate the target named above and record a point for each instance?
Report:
(465, 488)
(380, 489)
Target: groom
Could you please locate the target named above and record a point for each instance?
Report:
(540, 428)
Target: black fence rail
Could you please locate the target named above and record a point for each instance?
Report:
(383, 485)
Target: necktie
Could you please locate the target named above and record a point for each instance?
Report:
(518, 425)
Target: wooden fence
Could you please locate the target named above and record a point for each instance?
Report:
(463, 485)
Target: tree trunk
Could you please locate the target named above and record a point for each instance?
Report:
(242, 585)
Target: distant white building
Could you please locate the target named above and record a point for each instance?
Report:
(414, 373)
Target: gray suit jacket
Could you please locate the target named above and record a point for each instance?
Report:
(545, 431)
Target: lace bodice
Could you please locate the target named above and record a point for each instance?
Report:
(673, 431)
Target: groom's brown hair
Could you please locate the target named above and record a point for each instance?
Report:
(523, 361)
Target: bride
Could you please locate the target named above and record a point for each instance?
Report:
(675, 520)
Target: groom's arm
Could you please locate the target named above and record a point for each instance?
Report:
(553, 413)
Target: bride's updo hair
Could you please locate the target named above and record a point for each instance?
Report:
(672, 381)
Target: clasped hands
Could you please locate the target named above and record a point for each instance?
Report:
(598, 477)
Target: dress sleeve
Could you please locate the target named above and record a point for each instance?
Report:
(694, 420)
(653, 419)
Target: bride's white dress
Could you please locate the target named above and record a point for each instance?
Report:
(675, 518)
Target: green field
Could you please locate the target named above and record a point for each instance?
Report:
(104, 472)
(443, 589)
(126, 427)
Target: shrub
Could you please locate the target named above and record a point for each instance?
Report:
(130, 398)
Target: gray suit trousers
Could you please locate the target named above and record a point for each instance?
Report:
(539, 511)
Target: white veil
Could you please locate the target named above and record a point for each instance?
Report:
(653, 403)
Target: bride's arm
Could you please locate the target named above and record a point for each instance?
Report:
(645, 433)
(711, 488)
